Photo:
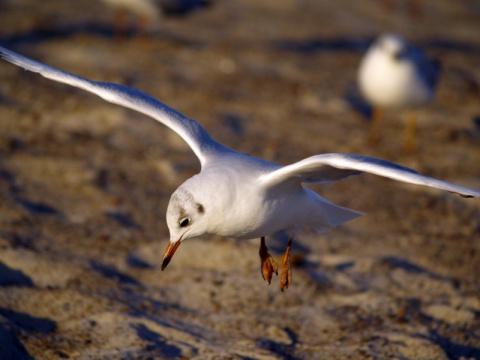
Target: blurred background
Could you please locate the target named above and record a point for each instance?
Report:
(84, 184)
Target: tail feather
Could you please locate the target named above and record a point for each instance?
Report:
(331, 215)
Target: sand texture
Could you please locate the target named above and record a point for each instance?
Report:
(84, 187)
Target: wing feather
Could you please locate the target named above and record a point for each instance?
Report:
(190, 130)
(334, 167)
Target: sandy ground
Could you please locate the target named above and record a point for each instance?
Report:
(84, 187)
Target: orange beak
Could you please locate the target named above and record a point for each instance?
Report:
(169, 253)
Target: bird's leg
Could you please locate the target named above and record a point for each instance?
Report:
(268, 265)
(376, 123)
(121, 24)
(286, 276)
(388, 5)
(143, 29)
(409, 146)
(415, 9)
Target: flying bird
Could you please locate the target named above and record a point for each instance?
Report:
(237, 195)
(395, 75)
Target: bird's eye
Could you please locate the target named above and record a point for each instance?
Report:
(184, 222)
(399, 55)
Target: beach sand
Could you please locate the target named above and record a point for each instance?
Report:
(84, 187)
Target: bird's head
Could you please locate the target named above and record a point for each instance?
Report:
(186, 218)
(392, 45)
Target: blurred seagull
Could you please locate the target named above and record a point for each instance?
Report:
(149, 11)
(237, 195)
(145, 12)
(394, 75)
(413, 7)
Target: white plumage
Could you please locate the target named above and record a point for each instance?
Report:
(238, 195)
(395, 75)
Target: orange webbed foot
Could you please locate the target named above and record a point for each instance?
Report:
(268, 265)
(286, 275)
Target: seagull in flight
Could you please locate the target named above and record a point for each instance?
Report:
(237, 195)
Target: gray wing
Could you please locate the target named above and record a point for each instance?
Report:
(334, 167)
(190, 130)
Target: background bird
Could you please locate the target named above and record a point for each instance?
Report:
(146, 12)
(395, 75)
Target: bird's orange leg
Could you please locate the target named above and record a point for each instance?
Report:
(121, 24)
(376, 123)
(388, 5)
(268, 265)
(143, 29)
(286, 276)
(410, 128)
(414, 9)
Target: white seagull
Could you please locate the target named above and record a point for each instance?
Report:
(237, 195)
(149, 11)
(145, 11)
(395, 75)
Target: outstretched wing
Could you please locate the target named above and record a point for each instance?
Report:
(333, 167)
(190, 130)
